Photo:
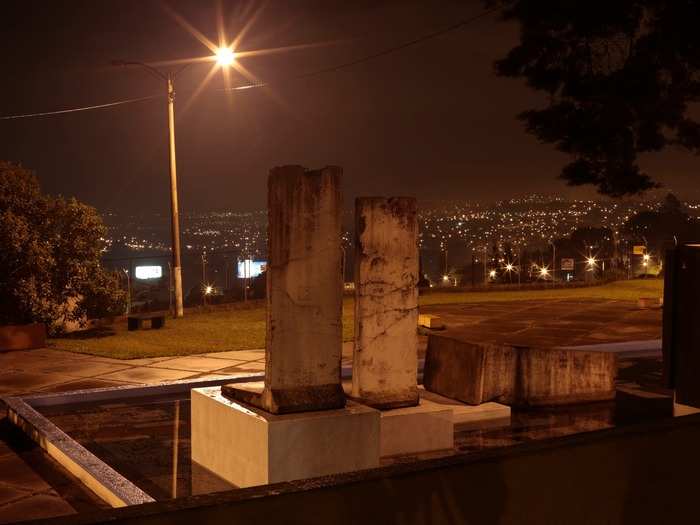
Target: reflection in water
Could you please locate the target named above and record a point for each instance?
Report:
(148, 439)
(145, 439)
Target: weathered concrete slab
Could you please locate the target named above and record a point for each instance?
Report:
(304, 295)
(247, 446)
(467, 417)
(386, 302)
(470, 372)
(517, 375)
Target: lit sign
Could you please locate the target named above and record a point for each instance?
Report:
(639, 249)
(567, 264)
(250, 268)
(148, 272)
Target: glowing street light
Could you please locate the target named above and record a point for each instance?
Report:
(225, 56)
(646, 257)
(544, 272)
(591, 263)
(208, 289)
(509, 267)
(492, 274)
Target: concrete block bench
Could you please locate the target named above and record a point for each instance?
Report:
(516, 375)
(136, 322)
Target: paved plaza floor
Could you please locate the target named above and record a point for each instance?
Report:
(34, 486)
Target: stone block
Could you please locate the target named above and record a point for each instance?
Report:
(516, 375)
(386, 302)
(434, 322)
(469, 372)
(247, 446)
(425, 427)
(553, 376)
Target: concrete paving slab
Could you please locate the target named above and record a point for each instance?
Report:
(84, 384)
(9, 494)
(147, 360)
(142, 374)
(12, 383)
(85, 368)
(243, 355)
(35, 507)
(22, 476)
(243, 367)
(197, 363)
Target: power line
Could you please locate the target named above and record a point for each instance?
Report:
(84, 108)
(332, 69)
(400, 47)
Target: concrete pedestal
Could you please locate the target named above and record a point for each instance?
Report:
(423, 428)
(247, 446)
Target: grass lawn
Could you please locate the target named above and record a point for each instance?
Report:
(244, 329)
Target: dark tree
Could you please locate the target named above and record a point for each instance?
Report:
(50, 251)
(657, 229)
(620, 77)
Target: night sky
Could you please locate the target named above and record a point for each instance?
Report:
(431, 120)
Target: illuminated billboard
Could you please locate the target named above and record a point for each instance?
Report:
(148, 272)
(250, 268)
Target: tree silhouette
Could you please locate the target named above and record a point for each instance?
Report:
(619, 77)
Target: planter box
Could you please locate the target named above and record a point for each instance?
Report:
(22, 336)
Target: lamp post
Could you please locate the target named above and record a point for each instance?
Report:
(554, 262)
(224, 57)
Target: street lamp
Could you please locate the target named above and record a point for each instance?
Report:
(224, 56)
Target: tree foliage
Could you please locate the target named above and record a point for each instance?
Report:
(620, 78)
(50, 250)
(671, 223)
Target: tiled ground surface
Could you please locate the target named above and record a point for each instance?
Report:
(32, 486)
(552, 322)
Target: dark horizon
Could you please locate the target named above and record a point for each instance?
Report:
(431, 120)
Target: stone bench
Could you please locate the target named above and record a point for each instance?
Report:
(516, 375)
(136, 322)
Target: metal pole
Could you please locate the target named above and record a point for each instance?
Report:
(343, 265)
(174, 210)
(473, 264)
(128, 291)
(170, 287)
(176, 444)
(246, 268)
